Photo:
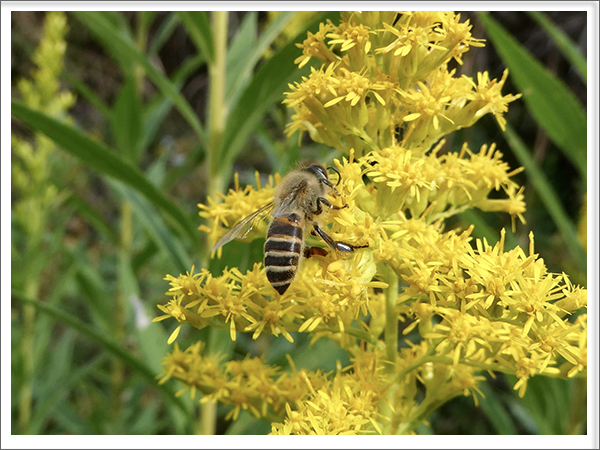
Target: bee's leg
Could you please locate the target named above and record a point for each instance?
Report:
(314, 251)
(342, 247)
(326, 203)
(338, 174)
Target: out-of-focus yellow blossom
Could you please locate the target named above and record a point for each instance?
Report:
(31, 166)
(385, 98)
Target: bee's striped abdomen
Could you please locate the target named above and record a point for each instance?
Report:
(283, 249)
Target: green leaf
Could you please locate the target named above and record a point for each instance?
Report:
(107, 343)
(265, 89)
(126, 121)
(568, 48)
(93, 217)
(143, 256)
(239, 74)
(94, 292)
(101, 159)
(553, 106)
(110, 37)
(153, 223)
(58, 366)
(84, 91)
(544, 189)
(547, 402)
(43, 409)
(155, 112)
(163, 33)
(113, 24)
(198, 27)
(238, 53)
(152, 341)
(495, 411)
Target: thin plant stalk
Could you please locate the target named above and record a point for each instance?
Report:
(216, 119)
(208, 418)
(217, 107)
(391, 343)
(118, 368)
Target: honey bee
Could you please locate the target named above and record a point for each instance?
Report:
(299, 198)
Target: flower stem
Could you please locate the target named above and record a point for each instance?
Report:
(217, 108)
(26, 394)
(118, 368)
(208, 418)
(391, 318)
(29, 312)
(391, 343)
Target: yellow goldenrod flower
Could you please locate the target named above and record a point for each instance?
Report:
(384, 98)
(390, 75)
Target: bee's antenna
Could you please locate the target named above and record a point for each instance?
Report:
(338, 174)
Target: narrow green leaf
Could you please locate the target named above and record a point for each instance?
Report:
(126, 121)
(153, 223)
(117, 20)
(107, 343)
(58, 366)
(43, 409)
(548, 196)
(239, 74)
(101, 159)
(145, 19)
(265, 89)
(93, 217)
(84, 91)
(163, 33)
(142, 257)
(62, 283)
(568, 48)
(112, 23)
(156, 111)
(495, 411)
(152, 341)
(69, 419)
(198, 27)
(239, 51)
(92, 286)
(107, 34)
(553, 106)
(547, 401)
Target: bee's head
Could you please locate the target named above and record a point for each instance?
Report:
(319, 171)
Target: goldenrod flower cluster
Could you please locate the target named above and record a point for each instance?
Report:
(384, 97)
(349, 397)
(385, 82)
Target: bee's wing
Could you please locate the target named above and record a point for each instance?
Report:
(243, 227)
